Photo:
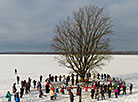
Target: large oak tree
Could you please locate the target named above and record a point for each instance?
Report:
(84, 40)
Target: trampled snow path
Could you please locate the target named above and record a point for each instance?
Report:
(122, 66)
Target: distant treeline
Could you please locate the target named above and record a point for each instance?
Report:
(52, 53)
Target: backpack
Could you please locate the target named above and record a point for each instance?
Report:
(7, 96)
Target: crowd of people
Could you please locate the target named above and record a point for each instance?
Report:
(100, 86)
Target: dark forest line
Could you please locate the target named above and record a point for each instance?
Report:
(56, 53)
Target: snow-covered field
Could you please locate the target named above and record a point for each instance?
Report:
(122, 66)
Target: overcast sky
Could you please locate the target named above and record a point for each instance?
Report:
(27, 25)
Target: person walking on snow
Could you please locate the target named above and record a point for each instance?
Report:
(131, 86)
(21, 92)
(14, 88)
(8, 95)
(18, 79)
(41, 77)
(34, 82)
(56, 78)
(15, 71)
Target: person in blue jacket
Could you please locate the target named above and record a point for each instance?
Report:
(16, 97)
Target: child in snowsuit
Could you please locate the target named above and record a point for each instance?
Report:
(55, 95)
(52, 94)
(8, 95)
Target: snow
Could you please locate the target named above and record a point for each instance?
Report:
(122, 66)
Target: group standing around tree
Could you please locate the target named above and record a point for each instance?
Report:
(99, 84)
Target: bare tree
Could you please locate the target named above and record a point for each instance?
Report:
(83, 40)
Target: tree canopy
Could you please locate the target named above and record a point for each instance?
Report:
(83, 40)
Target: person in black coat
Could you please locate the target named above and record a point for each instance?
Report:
(34, 82)
(55, 78)
(80, 94)
(60, 77)
(29, 80)
(109, 91)
(92, 93)
(131, 86)
(102, 94)
(97, 93)
(47, 86)
(98, 76)
(105, 88)
(118, 88)
(52, 79)
(78, 89)
(41, 77)
(102, 76)
(21, 92)
(124, 89)
(18, 79)
(14, 88)
(76, 79)
(72, 79)
(71, 97)
(15, 71)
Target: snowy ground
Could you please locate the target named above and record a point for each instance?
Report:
(122, 66)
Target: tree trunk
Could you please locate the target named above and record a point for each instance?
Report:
(82, 78)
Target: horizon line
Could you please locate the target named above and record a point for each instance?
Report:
(110, 53)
